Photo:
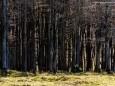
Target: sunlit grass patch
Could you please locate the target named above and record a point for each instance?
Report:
(15, 78)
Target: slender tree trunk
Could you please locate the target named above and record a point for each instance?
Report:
(74, 52)
(78, 47)
(98, 58)
(56, 47)
(33, 40)
(70, 55)
(84, 60)
(4, 40)
(107, 41)
(24, 47)
(93, 56)
(114, 60)
(51, 18)
(108, 58)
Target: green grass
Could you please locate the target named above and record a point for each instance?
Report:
(15, 78)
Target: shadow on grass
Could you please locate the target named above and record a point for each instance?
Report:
(3, 73)
(13, 73)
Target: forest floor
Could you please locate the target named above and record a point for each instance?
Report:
(59, 79)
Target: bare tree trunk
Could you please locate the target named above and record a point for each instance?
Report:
(98, 58)
(24, 48)
(74, 52)
(50, 32)
(114, 52)
(107, 39)
(33, 40)
(114, 60)
(78, 47)
(84, 60)
(70, 55)
(5, 41)
(55, 46)
(108, 58)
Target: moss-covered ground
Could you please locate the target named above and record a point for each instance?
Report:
(15, 78)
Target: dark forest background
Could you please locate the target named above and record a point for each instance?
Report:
(51, 35)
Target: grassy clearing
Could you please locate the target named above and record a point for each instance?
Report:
(15, 78)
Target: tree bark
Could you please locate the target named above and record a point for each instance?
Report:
(4, 39)
(24, 41)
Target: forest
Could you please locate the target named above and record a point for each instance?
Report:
(57, 35)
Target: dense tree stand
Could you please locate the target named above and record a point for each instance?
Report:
(57, 35)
